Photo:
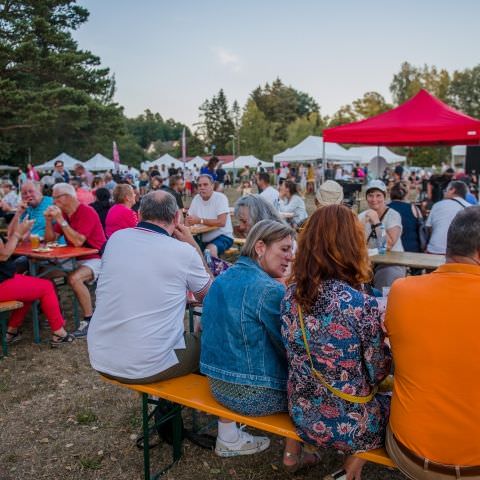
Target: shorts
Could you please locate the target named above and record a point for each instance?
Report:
(222, 243)
(94, 264)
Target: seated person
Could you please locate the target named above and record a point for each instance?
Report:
(242, 351)
(250, 209)
(379, 214)
(33, 206)
(134, 337)
(102, 203)
(26, 289)
(211, 208)
(292, 202)
(432, 324)
(81, 227)
(329, 193)
(9, 201)
(121, 214)
(334, 339)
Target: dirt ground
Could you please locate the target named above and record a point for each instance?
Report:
(58, 420)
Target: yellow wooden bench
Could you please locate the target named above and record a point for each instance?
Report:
(6, 307)
(193, 391)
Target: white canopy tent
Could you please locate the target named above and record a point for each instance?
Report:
(99, 163)
(68, 162)
(377, 158)
(166, 160)
(198, 161)
(311, 150)
(247, 161)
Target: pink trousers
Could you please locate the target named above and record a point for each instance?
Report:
(27, 289)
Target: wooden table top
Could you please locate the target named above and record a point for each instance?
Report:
(55, 252)
(198, 229)
(409, 259)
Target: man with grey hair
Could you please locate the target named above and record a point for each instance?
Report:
(137, 330)
(432, 324)
(81, 227)
(442, 214)
(211, 208)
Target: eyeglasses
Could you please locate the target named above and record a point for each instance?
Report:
(58, 196)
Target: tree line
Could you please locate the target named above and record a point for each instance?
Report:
(56, 97)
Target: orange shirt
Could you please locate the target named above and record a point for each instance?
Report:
(433, 322)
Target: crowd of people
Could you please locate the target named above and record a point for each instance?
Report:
(297, 324)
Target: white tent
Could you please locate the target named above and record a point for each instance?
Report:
(247, 161)
(68, 162)
(166, 160)
(99, 163)
(198, 161)
(311, 150)
(377, 158)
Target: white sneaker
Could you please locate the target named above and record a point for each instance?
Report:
(246, 444)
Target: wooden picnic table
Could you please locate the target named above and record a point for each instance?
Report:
(199, 229)
(409, 259)
(56, 258)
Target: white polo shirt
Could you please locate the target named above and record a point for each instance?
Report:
(440, 218)
(140, 302)
(271, 195)
(211, 209)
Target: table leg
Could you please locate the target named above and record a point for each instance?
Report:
(146, 437)
(3, 332)
(36, 324)
(76, 317)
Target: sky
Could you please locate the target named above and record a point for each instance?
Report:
(171, 56)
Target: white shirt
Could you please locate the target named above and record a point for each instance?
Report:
(211, 209)
(271, 195)
(391, 219)
(140, 302)
(440, 218)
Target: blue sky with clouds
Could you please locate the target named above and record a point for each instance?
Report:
(170, 56)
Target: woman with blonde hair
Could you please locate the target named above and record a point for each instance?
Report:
(121, 214)
(334, 340)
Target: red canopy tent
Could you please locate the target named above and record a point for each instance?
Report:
(422, 120)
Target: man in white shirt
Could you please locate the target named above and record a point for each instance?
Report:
(211, 208)
(267, 192)
(442, 214)
(136, 334)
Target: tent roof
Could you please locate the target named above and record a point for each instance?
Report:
(422, 120)
(311, 149)
(166, 160)
(247, 160)
(369, 153)
(68, 162)
(99, 163)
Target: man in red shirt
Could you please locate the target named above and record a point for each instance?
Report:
(81, 227)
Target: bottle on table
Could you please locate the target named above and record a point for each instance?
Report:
(382, 241)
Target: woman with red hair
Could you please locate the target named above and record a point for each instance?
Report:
(334, 340)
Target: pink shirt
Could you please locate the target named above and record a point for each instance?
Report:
(118, 217)
(84, 196)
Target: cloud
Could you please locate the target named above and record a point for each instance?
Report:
(228, 59)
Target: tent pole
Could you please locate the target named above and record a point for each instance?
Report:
(324, 166)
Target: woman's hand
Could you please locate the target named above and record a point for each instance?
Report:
(23, 228)
(372, 217)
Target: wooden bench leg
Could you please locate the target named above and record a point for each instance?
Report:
(175, 416)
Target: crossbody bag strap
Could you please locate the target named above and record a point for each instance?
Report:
(460, 203)
(319, 376)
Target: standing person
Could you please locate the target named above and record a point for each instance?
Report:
(134, 337)
(248, 373)
(211, 209)
(442, 214)
(411, 216)
(267, 192)
(437, 185)
(209, 168)
(27, 289)
(310, 179)
(85, 176)
(121, 215)
(332, 331)
(32, 174)
(59, 174)
(432, 324)
(377, 216)
(84, 195)
(102, 204)
(176, 186)
(81, 227)
(21, 178)
(292, 202)
(221, 173)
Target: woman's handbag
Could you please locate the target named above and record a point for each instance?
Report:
(338, 393)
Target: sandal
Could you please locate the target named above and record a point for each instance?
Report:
(302, 460)
(13, 337)
(68, 338)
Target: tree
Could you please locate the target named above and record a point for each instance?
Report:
(256, 133)
(216, 123)
(302, 127)
(345, 114)
(371, 104)
(53, 95)
(464, 91)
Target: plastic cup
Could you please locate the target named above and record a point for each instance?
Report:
(34, 241)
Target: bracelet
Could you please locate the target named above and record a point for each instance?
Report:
(376, 225)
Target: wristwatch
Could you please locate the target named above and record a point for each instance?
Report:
(64, 224)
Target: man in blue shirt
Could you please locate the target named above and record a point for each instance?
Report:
(33, 205)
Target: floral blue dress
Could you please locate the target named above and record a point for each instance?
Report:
(347, 347)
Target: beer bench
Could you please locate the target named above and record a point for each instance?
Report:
(5, 308)
(193, 391)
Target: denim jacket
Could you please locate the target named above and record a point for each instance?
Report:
(241, 339)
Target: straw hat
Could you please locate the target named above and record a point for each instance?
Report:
(329, 193)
